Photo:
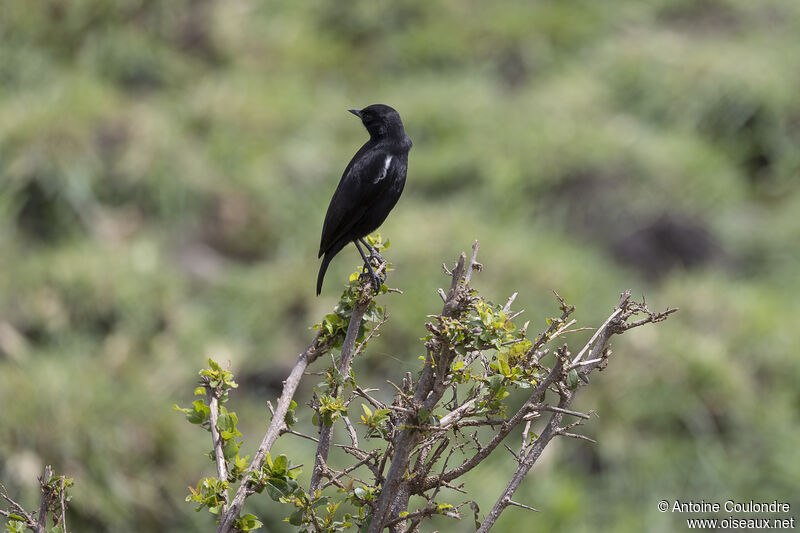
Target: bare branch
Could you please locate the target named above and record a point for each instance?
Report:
(351, 431)
(596, 346)
(417, 432)
(373, 401)
(429, 391)
(499, 436)
(213, 394)
(473, 263)
(317, 347)
(600, 330)
(63, 504)
(507, 307)
(554, 409)
(345, 360)
(369, 336)
(17, 508)
(41, 519)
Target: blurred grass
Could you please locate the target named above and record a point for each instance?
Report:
(165, 167)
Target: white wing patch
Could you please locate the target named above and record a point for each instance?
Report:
(385, 169)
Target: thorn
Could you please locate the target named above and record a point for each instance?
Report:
(442, 294)
(515, 315)
(516, 457)
(517, 504)
(576, 436)
(510, 301)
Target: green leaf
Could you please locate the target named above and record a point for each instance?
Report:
(230, 449)
(319, 502)
(495, 382)
(277, 489)
(504, 368)
(280, 465)
(248, 522)
(296, 518)
(572, 379)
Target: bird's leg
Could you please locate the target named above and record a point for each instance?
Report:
(372, 251)
(376, 280)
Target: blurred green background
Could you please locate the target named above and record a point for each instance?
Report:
(165, 166)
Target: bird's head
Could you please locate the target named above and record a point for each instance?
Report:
(381, 121)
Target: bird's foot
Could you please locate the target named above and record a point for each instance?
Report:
(380, 267)
(375, 279)
(373, 252)
(371, 267)
(375, 255)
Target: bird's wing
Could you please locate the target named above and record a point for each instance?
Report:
(362, 181)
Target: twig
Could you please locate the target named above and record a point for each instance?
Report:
(507, 307)
(369, 336)
(596, 334)
(345, 359)
(584, 363)
(317, 347)
(596, 345)
(298, 434)
(41, 519)
(473, 263)
(351, 431)
(430, 389)
(63, 505)
(213, 405)
(377, 404)
(17, 508)
(555, 409)
(576, 436)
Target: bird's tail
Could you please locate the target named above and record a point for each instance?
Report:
(322, 268)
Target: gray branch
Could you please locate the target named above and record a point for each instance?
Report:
(595, 348)
(213, 405)
(345, 360)
(430, 389)
(41, 522)
(309, 355)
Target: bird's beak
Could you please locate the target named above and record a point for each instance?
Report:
(356, 112)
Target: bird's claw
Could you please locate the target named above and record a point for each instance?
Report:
(377, 281)
(377, 278)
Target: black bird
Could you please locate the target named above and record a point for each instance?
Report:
(369, 188)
